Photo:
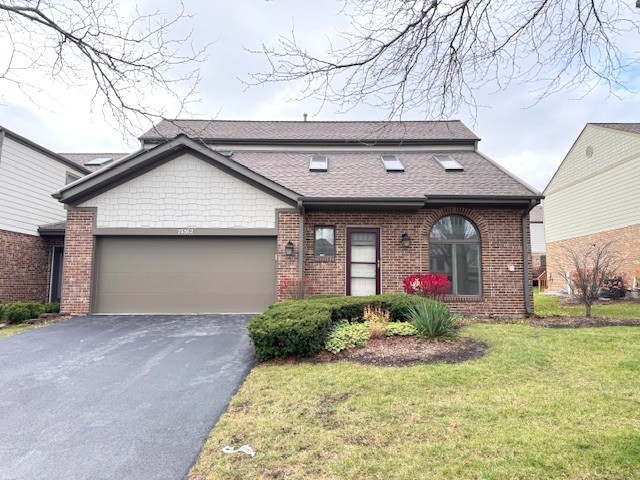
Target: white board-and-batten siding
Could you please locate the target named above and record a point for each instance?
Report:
(596, 193)
(27, 180)
(186, 192)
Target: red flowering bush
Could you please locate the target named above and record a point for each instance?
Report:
(295, 289)
(433, 285)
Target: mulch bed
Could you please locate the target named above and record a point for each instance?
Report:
(406, 351)
(398, 351)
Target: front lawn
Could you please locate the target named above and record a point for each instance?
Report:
(548, 306)
(542, 403)
(13, 329)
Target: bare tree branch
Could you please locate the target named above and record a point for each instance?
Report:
(433, 55)
(137, 66)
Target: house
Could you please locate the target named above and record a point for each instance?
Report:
(593, 198)
(210, 216)
(538, 246)
(31, 232)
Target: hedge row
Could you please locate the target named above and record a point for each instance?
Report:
(18, 312)
(300, 327)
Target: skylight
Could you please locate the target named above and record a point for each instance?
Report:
(392, 164)
(318, 163)
(448, 163)
(98, 161)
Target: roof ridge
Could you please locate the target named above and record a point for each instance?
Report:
(308, 121)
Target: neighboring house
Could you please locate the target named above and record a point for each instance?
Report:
(538, 246)
(30, 248)
(594, 198)
(211, 215)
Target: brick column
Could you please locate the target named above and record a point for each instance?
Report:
(288, 231)
(78, 262)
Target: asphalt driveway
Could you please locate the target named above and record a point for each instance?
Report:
(117, 397)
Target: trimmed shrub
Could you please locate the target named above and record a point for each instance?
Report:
(432, 319)
(300, 327)
(344, 335)
(17, 313)
(432, 285)
(33, 309)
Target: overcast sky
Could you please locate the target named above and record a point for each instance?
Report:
(528, 140)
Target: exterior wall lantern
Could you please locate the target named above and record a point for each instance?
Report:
(288, 249)
(405, 239)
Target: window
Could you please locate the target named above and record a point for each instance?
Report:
(448, 163)
(97, 162)
(543, 261)
(318, 163)
(324, 244)
(71, 178)
(455, 251)
(392, 164)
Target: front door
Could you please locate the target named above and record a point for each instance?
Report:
(56, 274)
(363, 261)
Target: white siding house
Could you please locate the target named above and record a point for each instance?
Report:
(30, 263)
(594, 197)
(28, 176)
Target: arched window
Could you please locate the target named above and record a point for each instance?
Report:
(455, 251)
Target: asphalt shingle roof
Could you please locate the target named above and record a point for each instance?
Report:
(220, 130)
(81, 158)
(362, 175)
(625, 127)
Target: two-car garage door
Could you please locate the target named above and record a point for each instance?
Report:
(184, 274)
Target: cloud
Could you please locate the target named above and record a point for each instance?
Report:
(530, 142)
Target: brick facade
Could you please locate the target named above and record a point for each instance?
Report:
(78, 262)
(501, 246)
(288, 231)
(25, 267)
(625, 245)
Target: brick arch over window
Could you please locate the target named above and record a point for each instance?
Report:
(472, 215)
(448, 253)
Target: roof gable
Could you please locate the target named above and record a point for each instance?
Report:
(597, 149)
(39, 148)
(141, 162)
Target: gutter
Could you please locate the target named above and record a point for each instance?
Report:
(525, 258)
(301, 241)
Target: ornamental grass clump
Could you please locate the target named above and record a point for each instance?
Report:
(376, 319)
(432, 319)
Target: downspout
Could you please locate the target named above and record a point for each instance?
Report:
(525, 258)
(300, 240)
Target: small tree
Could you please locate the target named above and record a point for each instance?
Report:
(295, 289)
(590, 267)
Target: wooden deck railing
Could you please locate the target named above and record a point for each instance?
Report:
(542, 282)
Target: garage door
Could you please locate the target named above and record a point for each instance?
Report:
(184, 274)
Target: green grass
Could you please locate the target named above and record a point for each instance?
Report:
(543, 403)
(12, 330)
(548, 306)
